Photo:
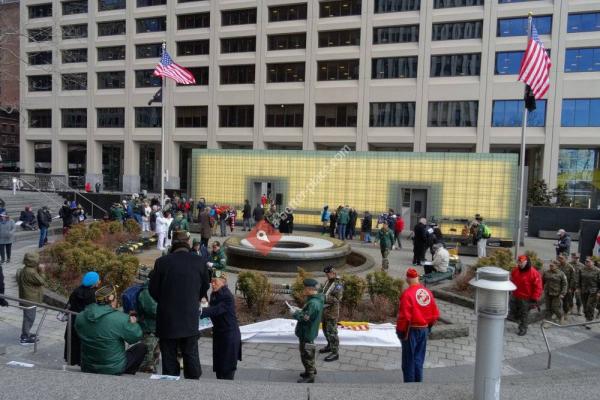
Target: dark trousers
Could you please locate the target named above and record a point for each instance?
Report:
(226, 375)
(413, 354)
(134, 355)
(43, 236)
(189, 351)
(519, 309)
(5, 250)
(428, 268)
(418, 253)
(204, 241)
(28, 320)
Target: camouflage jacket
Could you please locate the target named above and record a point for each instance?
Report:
(569, 272)
(555, 283)
(589, 280)
(333, 291)
(577, 266)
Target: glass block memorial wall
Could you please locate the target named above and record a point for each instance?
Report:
(458, 185)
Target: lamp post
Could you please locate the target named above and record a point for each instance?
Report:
(492, 286)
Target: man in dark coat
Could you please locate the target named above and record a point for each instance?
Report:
(286, 224)
(66, 214)
(44, 219)
(366, 227)
(419, 241)
(227, 340)
(332, 223)
(205, 228)
(258, 214)
(246, 215)
(178, 283)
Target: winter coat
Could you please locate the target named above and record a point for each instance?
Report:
(441, 259)
(325, 214)
(27, 217)
(589, 280)
(177, 285)
(78, 300)
(309, 318)
(146, 310)
(386, 239)
(286, 225)
(333, 291)
(31, 284)
(162, 224)
(528, 282)
(247, 211)
(416, 308)
(7, 231)
(179, 224)
(555, 282)
(420, 235)
(563, 245)
(103, 332)
(367, 224)
(44, 218)
(205, 230)
(227, 340)
(343, 216)
(218, 259)
(67, 216)
(398, 225)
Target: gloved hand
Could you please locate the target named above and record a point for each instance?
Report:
(209, 264)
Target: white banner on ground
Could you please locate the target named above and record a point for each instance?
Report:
(281, 330)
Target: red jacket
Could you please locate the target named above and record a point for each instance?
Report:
(417, 308)
(528, 283)
(399, 227)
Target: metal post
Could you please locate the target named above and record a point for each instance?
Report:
(162, 138)
(69, 322)
(39, 328)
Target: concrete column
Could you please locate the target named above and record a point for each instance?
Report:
(59, 157)
(27, 155)
(172, 165)
(131, 166)
(93, 168)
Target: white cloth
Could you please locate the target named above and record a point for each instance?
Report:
(441, 260)
(281, 330)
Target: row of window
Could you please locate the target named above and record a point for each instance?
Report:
(505, 113)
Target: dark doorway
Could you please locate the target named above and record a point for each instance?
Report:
(42, 157)
(149, 167)
(414, 202)
(76, 161)
(112, 166)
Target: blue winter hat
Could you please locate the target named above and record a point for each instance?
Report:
(90, 279)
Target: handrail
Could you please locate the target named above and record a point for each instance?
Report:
(554, 324)
(39, 191)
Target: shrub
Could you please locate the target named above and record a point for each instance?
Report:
(298, 286)
(131, 226)
(354, 290)
(256, 289)
(380, 283)
(381, 308)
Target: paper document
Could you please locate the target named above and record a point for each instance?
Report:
(292, 308)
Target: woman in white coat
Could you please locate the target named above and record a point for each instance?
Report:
(162, 226)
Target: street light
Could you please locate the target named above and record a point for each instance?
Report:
(492, 286)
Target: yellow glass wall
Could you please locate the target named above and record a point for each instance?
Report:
(459, 185)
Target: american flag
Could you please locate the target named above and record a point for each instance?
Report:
(167, 68)
(535, 66)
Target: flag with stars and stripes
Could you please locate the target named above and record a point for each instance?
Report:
(167, 68)
(535, 66)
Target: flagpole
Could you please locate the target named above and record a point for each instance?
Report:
(162, 137)
(522, 159)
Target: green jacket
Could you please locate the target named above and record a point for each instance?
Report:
(103, 332)
(31, 284)
(179, 223)
(146, 309)
(309, 318)
(577, 266)
(589, 280)
(343, 216)
(555, 283)
(218, 259)
(385, 239)
(569, 272)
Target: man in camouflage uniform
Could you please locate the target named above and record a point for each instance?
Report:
(577, 266)
(307, 328)
(385, 237)
(589, 282)
(555, 289)
(333, 292)
(569, 272)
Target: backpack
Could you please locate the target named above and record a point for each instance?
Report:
(487, 232)
(129, 298)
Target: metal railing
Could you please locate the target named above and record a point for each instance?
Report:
(543, 327)
(46, 307)
(42, 182)
(32, 187)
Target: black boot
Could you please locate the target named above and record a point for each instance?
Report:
(332, 357)
(325, 349)
(310, 378)
(305, 374)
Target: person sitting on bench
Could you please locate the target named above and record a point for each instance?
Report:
(441, 259)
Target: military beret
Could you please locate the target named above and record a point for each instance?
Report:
(105, 292)
(311, 283)
(328, 269)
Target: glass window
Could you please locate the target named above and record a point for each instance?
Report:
(111, 80)
(201, 75)
(388, 115)
(40, 118)
(40, 58)
(236, 116)
(389, 6)
(107, 5)
(285, 115)
(148, 117)
(509, 113)
(111, 117)
(193, 21)
(350, 37)
(287, 42)
(456, 3)
(245, 44)
(508, 62)
(74, 7)
(191, 117)
(40, 35)
(40, 11)
(582, 60)
(518, 26)
(289, 12)
(237, 74)
(74, 31)
(452, 113)
(192, 48)
(337, 70)
(339, 8)
(111, 53)
(336, 115)
(188, 1)
(580, 113)
(74, 56)
(40, 83)
(144, 78)
(150, 3)
(457, 30)
(74, 81)
(583, 22)
(291, 72)
(154, 24)
(456, 65)
(396, 34)
(111, 28)
(577, 170)
(149, 50)
(513, 1)
(238, 17)
(74, 117)
(394, 67)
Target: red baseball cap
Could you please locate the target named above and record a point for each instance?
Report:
(412, 273)
(523, 257)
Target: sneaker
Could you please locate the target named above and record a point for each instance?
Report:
(26, 341)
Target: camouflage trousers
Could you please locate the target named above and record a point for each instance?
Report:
(151, 358)
(331, 334)
(307, 356)
(553, 307)
(385, 264)
(567, 305)
(578, 301)
(589, 301)
(519, 309)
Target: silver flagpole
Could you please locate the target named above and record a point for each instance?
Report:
(522, 159)
(162, 136)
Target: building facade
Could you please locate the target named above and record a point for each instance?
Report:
(392, 75)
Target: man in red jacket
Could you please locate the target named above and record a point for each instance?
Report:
(398, 228)
(417, 313)
(529, 291)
